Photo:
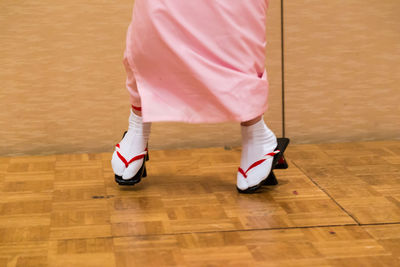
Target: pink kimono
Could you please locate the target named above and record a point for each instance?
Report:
(197, 61)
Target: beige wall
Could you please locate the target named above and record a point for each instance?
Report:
(62, 78)
(342, 70)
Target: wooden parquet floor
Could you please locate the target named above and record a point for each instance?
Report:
(336, 205)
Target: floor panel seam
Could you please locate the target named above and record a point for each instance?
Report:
(260, 229)
(334, 200)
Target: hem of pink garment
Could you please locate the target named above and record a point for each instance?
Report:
(184, 120)
(163, 117)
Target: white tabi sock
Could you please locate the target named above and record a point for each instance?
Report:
(133, 144)
(257, 141)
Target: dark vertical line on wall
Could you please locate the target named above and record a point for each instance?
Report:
(283, 71)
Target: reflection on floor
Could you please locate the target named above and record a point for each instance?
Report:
(336, 205)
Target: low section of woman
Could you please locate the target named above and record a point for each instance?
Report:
(197, 62)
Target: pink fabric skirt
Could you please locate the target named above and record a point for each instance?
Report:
(197, 61)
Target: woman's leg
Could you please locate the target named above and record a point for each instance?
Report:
(251, 122)
(131, 86)
(257, 141)
(136, 139)
(137, 112)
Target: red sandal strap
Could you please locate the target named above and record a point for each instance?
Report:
(242, 172)
(136, 158)
(123, 159)
(258, 162)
